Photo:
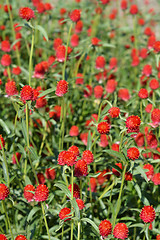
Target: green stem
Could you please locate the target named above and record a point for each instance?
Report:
(43, 140)
(62, 232)
(141, 110)
(4, 207)
(5, 165)
(30, 59)
(106, 190)
(72, 181)
(64, 66)
(9, 73)
(79, 230)
(45, 220)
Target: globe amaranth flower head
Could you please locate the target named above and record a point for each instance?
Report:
(105, 228)
(120, 231)
(26, 13)
(62, 88)
(4, 191)
(147, 214)
(3, 237)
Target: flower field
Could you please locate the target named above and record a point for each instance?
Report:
(79, 120)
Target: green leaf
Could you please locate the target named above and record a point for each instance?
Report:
(24, 130)
(89, 141)
(44, 93)
(140, 225)
(4, 126)
(76, 208)
(142, 172)
(43, 31)
(116, 154)
(64, 189)
(92, 224)
(32, 212)
(128, 219)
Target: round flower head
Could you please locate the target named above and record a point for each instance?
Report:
(133, 123)
(156, 46)
(50, 173)
(20, 237)
(100, 62)
(128, 176)
(158, 237)
(133, 9)
(28, 192)
(156, 179)
(65, 214)
(114, 112)
(3, 237)
(98, 91)
(74, 149)
(68, 158)
(150, 171)
(87, 91)
(6, 60)
(105, 228)
(105, 1)
(5, 46)
(133, 153)
(57, 42)
(75, 15)
(87, 156)
(2, 142)
(123, 94)
(143, 93)
(155, 116)
(154, 84)
(147, 70)
(61, 159)
(80, 203)
(62, 88)
(41, 193)
(41, 178)
(60, 53)
(147, 214)
(81, 168)
(4, 191)
(79, 26)
(26, 93)
(11, 88)
(74, 131)
(103, 140)
(103, 128)
(76, 190)
(120, 231)
(124, 4)
(41, 102)
(16, 70)
(16, 158)
(74, 40)
(26, 13)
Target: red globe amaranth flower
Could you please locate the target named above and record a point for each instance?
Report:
(50, 173)
(20, 237)
(147, 70)
(113, 63)
(75, 15)
(143, 53)
(158, 237)
(2, 142)
(143, 93)
(133, 153)
(155, 116)
(74, 40)
(41, 178)
(3, 237)
(41, 193)
(120, 231)
(6, 9)
(93, 183)
(115, 172)
(74, 149)
(88, 91)
(98, 91)
(5, 46)
(150, 171)
(114, 112)
(61, 159)
(154, 84)
(26, 13)
(148, 108)
(6, 60)
(26, 93)
(102, 177)
(103, 140)
(100, 62)
(95, 41)
(16, 70)
(105, 1)
(41, 102)
(105, 228)
(87, 156)
(79, 78)
(16, 158)
(103, 128)
(62, 88)
(139, 139)
(74, 131)
(133, 123)
(128, 176)
(68, 158)
(156, 179)
(123, 94)
(133, 9)
(79, 26)
(4, 191)
(65, 213)
(28, 192)
(156, 46)
(151, 140)
(124, 5)
(147, 214)
(80, 203)
(81, 168)
(11, 88)
(76, 190)
(60, 53)
(57, 42)
(115, 147)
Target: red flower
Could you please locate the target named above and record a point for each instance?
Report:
(148, 31)
(41, 193)
(128, 176)
(100, 62)
(158, 237)
(113, 63)
(26, 93)
(74, 131)
(57, 42)
(16, 70)
(156, 179)
(133, 9)
(103, 140)
(120, 231)
(76, 190)
(41, 102)
(102, 177)
(50, 173)
(95, 41)
(103, 128)
(143, 93)
(105, 1)
(60, 158)
(3, 237)
(133, 153)
(60, 53)
(147, 214)
(16, 157)
(20, 237)
(151, 140)
(155, 116)
(123, 94)
(5, 46)
(11, 88)
(28, 192)
(2, 142)
(6, 60)
(93, 183)
(74, 149)
(26, 13)
(115, 147)
(147, 70)
(75, 15)
(133, 123)
(87, 156)
(123, 4)
(115, 172)
(105, 228)
(41, 178)
(139, 139)
(154, 84)
(114, 112)
(74, 40)
(65, 213)
(88, 91)
(143, 53)
(98, 91)
(148, 108)
(80, 203)
(79, 78)
(81, 168)
(62, 88)
(150, 171)
(156, 46)
(6, 8)
(4, 191)
(68, 158)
